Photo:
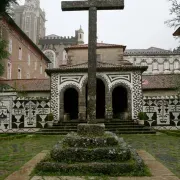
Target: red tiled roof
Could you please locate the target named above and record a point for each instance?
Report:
(28, 84)
(150, 82)
(160, 81)
(99, 45)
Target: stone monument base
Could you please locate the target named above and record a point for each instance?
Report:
(92, 151)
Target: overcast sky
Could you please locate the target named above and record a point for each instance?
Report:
(139, 25)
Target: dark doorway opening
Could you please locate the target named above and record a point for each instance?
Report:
(71, 103)
(120, 102)
(100, 99)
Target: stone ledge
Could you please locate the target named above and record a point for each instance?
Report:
(91, 129)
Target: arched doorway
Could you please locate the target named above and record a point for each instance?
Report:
(119, 102)
(100, 99)
(71, 103)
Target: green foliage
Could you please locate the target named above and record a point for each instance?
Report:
(142, 116)
(50, 117)
(175, 12)
(175, 133)
(72, 140)
(3, 55)
(5, 5)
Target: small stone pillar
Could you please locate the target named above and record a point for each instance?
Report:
(82, 107)
(109, 109)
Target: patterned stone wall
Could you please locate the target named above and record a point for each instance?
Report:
(23, 114)
(162, 112)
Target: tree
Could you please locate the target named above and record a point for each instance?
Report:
(5, 5)
(175, 12)
(3, 55)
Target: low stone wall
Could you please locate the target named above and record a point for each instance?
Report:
(163, 112)
(23, 114)
(29, 114)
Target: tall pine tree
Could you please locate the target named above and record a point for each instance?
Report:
(5, 5)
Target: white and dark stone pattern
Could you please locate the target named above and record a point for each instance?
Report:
(137, 94)
(55, 96)
(162, 112)
(21, 114)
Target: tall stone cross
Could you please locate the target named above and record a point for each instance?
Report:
(92, 6)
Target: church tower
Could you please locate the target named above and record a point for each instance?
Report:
(80, 36)
(31, 19)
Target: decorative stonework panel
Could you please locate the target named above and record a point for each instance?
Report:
(137, 94)
(5, 118)
(23, 114)
(75, 78)
(55, 96)
(162, 111)
(114, 77)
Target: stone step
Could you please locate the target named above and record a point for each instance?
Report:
(117, 132)
(116, 126)
(59, 130)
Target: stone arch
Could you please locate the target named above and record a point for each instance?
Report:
(107, 92)
(52, 57)
(129, 95)
(62, 91)
(98, 76)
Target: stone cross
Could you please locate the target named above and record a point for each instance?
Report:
(92, 6)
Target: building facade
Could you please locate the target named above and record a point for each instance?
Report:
(123, 89)
(54, 46)
(31, 19)
(26, 60)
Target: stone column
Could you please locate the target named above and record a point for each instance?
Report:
(92, 65)
(61, 108)
(109, 109)
(82, 107)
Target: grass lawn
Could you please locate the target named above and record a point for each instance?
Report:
(14, 153)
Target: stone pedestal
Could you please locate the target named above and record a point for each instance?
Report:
(91, 129)
(92, 151)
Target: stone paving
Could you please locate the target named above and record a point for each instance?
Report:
(158, 171)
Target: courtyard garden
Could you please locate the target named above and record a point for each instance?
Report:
(16, 150)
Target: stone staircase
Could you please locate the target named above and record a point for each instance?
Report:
(115, 126)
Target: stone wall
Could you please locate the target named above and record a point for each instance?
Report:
(20, 114)
(163, 112)
(23, 114)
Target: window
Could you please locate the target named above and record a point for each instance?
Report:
(9, 71)
(29, 60)
(35, 65)
(166, 65)
(176, 65)
(41, 69)
(98, 57)
(64, 61)
(27, 24)
(10, 46)
(20, 53)
(19, 73)
(143, 62)
(155, 65)
(28, 76)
